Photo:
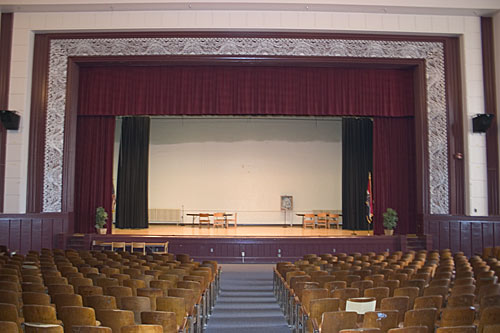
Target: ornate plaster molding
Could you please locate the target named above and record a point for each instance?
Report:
(432, 52)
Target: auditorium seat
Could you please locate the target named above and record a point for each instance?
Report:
(77, 315)
(115, 319)
(383, 319)
(333, 322)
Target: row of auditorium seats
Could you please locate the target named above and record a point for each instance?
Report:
(412, 292)
(105, 291)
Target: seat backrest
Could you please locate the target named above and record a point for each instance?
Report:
(166, 319)
(421, 317)
(115, 319)
(333, 322)
(44, 314)
(399, 303)
(458, 316)
(76, 315)
(384, 319)
(62, 300)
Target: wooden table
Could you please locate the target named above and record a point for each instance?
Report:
(316, 215)
(194, 215)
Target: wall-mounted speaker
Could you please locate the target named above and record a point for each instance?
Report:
(10, 119)
(481, 122)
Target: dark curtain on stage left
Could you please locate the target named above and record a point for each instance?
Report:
(357, 161)
(93, 170)
(132, 189)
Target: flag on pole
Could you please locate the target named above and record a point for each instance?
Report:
(369, 200)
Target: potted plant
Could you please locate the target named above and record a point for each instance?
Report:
(390, 221)
(101, 216)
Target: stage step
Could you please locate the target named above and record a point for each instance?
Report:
(77, 242)
(416, 243)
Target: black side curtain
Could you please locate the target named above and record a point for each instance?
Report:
(132, 187)
(357, 162)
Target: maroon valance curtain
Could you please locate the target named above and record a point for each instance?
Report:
(93, 170)
(229, 90)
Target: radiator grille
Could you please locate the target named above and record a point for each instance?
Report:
(164, 215)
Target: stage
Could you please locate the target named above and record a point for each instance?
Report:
(249, 244)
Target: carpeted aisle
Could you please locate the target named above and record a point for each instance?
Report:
(246, 303)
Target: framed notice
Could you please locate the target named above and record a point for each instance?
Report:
(286, 202)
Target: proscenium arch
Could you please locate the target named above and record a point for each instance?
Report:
(421, 65)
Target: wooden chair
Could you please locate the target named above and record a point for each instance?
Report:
(10, 297)
(458, 316)
(98, 302)
(118, 292)
(437, 290)
(42, 314)
(421, 317)
(115, 319)
(9, 312)
(118, 246)
(460, 300)
(134, 284)
(138, 245)
(334, 322)
(161, 250)
(309, 220)
(232, 220)
(463, 289)
(378, 293)
(163, 285)
(55, 280)
(176, 305)
(9, 327)
(344, 295)
(489, 316)
(35, 298)
(62, 300)
(384, 320)
(204, 219)
(166, 319)
(89, 290)
(136, 304)
(333, 219)
(319, 306)
(322, 220)
(411, 292)
(219, 220)
(152, 294)
(76, 315)
(399, 303)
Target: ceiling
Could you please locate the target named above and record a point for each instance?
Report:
(419, 7)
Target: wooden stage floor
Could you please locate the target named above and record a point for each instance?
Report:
(238, 232)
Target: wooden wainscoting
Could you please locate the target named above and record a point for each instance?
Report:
(469, 234)
(24, 232)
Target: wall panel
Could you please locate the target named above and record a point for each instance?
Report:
(24, 232)
(469, 234)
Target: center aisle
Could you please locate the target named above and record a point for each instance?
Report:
(246, 302)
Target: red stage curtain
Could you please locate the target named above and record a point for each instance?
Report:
(228, 90)
(93, 170)
(384, 94)
(394, 170)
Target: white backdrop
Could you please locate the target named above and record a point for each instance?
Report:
(244, 165)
